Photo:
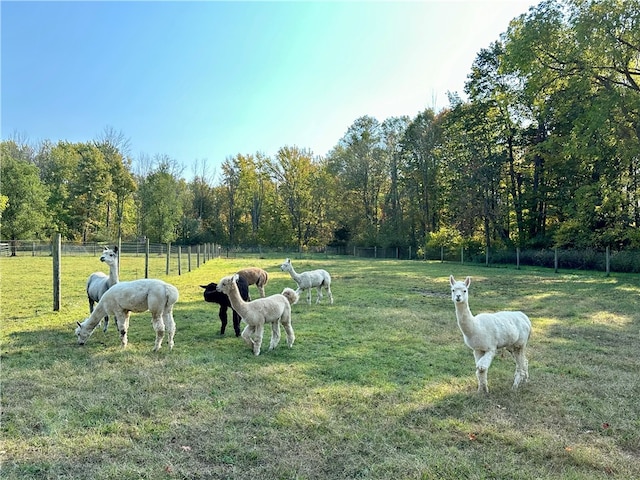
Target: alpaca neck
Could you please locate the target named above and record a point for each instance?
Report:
(465, 317)
(237, 303)
(99, 312)
(113, 273)
(293, 274)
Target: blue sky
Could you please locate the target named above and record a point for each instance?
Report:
(209, 80)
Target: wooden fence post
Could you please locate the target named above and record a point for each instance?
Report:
(189, 257)
(56, 272)
(179, 260)
(555, 260)
(146, 259)
(608, 260)
(168, 258)
(517, 258)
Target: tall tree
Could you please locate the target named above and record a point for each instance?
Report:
(161, 196)
(24, 211)
(361, 165)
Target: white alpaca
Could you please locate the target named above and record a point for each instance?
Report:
(136, 296)
(485, 333)
(308, 280)
(98, 282)
(255, 276)
(274, 309)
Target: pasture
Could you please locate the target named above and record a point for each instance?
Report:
(378, 385)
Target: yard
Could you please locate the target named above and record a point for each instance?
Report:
(377, 386)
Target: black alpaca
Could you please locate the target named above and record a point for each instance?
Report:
(213, 296)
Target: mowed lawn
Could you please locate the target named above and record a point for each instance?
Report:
(377, 386)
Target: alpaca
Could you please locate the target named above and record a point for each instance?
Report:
(255, 276)
(485, 333)
(274, 309)
(308, 280)
(98, 282)
(214, 296)
(135, 296)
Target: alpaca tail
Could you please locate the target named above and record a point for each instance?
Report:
(291, 295)
(172, 294)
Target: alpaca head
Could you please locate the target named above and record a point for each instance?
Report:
(82, 333)
(110, 257)
(286, 266)
(459, 290)
(226, 284)
(211, 293)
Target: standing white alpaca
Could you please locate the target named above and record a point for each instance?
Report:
(274, 309)
(135, 296)
(98, 282)
(485, 333)
(255, 276)
(308, 280)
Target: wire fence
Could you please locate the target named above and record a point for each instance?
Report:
(173, 259)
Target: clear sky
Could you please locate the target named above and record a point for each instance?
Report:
(209, 80)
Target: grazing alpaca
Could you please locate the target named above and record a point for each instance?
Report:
(485, 333)
(98, 282)
(255, 276)
(308, 280)
(211, 294)
(274, 309)
(136, 296)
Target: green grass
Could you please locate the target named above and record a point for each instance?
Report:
(377, 386)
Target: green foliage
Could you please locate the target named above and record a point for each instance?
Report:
(23, 207)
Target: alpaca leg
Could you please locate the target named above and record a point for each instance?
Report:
(483, 362)
(158, 326)
(308, 296)
(122, 321)
(330, 294)
(246, 335)
(170, 326)
(522, 367)
(259, 329)
(261, 289)
(319, 295)
(105, 323)
(288, 328)
(275, 335)
(236, 322)
(222, 314)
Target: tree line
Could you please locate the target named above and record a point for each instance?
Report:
(543, 151)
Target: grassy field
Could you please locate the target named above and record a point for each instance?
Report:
(377, 386)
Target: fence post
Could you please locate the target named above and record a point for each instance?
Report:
(486, 257)
(198, 256)
(119, 252)
(555, 260)
(168, 258)
(179, 260)
(56, 272)
(608, 260)
(189, 257)
(146, 259)
(462, 255)
(517, 258)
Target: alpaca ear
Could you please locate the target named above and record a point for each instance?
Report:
(115, 249)
(235, 278)
(452, 280)
(467, 281)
